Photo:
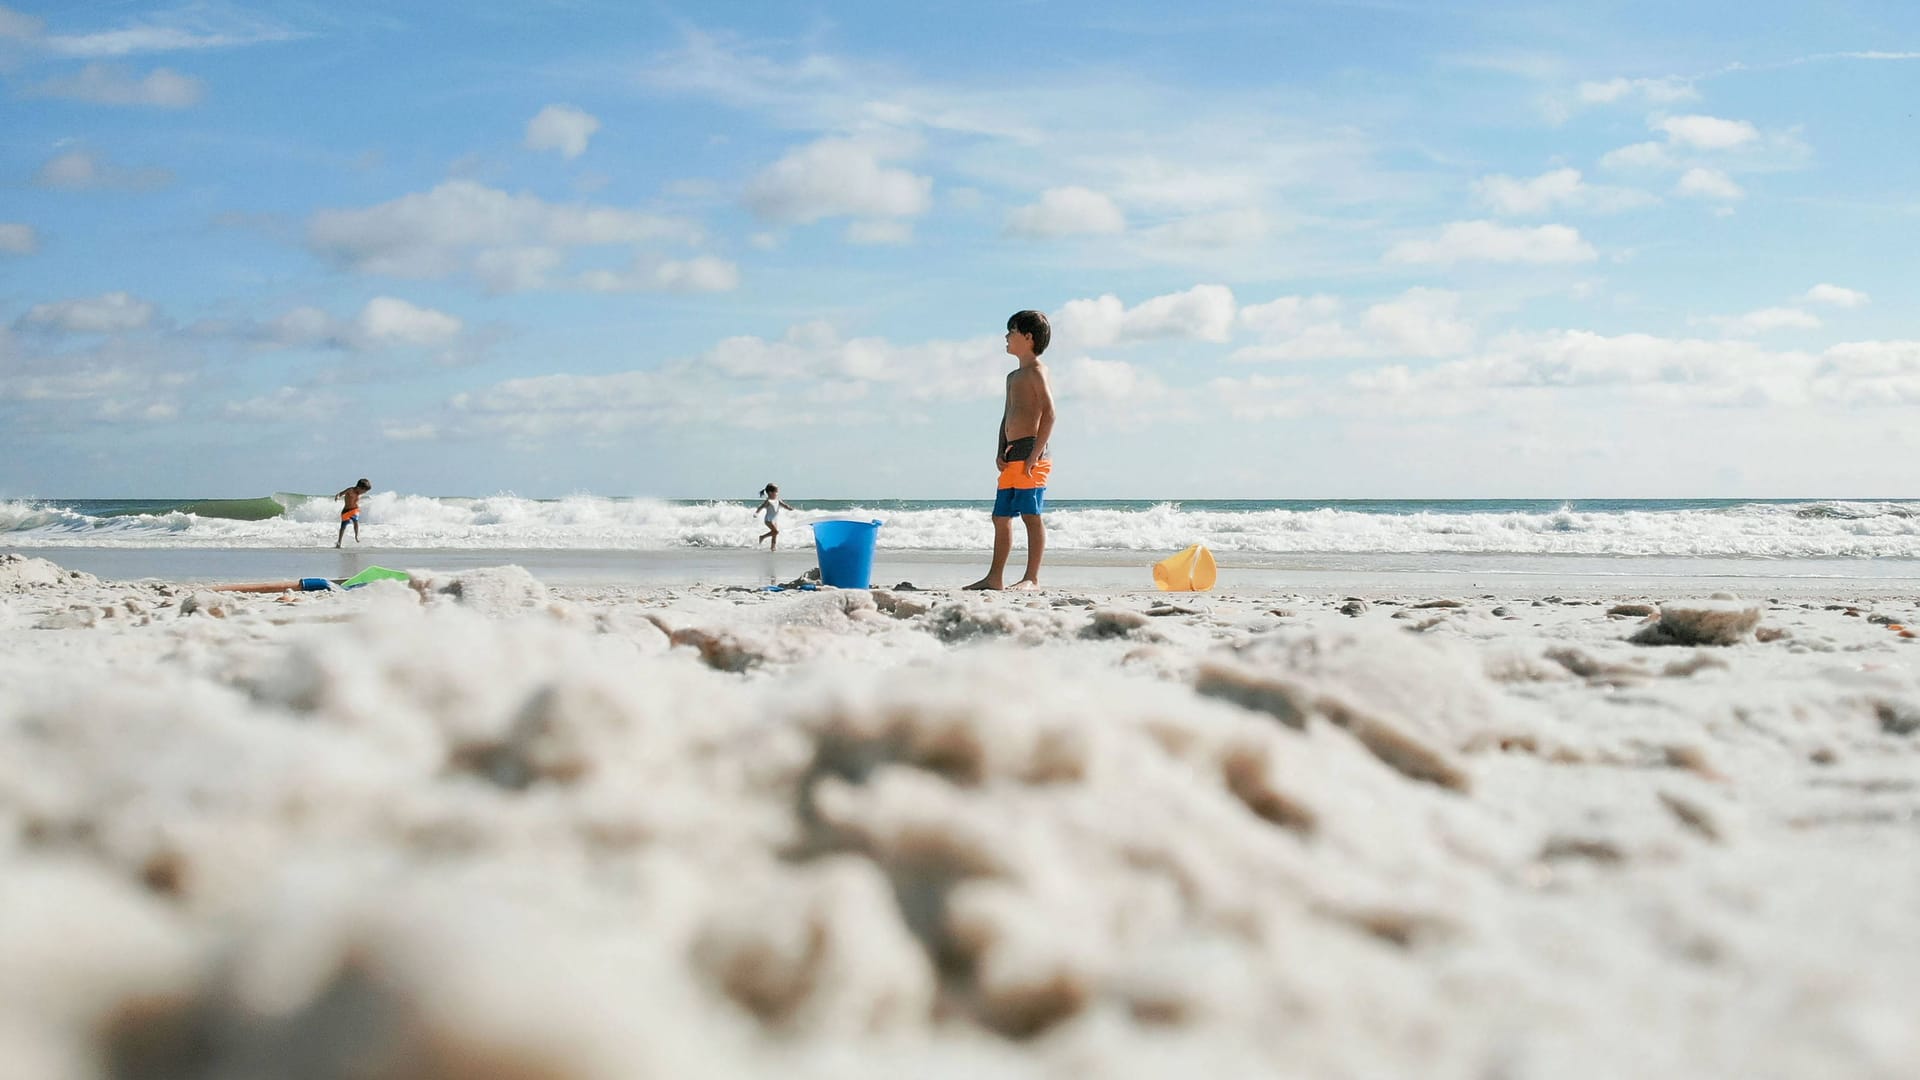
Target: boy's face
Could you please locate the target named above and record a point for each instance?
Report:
(1019, 344)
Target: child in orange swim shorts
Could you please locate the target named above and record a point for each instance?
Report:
(1026, 423)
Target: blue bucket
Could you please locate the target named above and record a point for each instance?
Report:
(845, 549)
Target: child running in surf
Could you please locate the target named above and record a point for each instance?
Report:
(769, 509)
(350, 513)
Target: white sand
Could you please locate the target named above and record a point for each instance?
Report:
(484, 829)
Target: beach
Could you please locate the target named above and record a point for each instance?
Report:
(1382, 824)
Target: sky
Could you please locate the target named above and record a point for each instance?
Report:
(1300, 250)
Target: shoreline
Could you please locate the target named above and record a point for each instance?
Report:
(1113, 571)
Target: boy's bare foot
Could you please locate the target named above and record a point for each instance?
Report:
(983, 585)
(1024, 585)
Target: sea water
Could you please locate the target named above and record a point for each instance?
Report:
(591, 538)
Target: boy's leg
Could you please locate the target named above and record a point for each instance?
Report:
(1036, 547)
(338, 540)
(356, 529)
(1002, 547)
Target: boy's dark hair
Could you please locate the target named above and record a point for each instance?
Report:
(363, 483)
(1034, 323)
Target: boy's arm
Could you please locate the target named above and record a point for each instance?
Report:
(342, 493)
(1046, 421)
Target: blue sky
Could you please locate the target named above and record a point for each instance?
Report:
(1301, 250)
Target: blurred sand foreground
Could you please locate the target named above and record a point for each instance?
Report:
(478, 828)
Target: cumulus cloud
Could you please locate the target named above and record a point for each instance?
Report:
(1836, 296)
(1666, 91)
(1551, 190)
(1763, 321)
(385, 322)
(1706, 132)
(1724, 373)
(1704, 183)
(1288, 314)
(1107, 381)
(1420, 322)
(509, 242)
(82, 170)
(1641, 155)
(1068, 211)
(1487, 241)
(1202, 313)
(563, 128)
(18, 239)
(389, 321)
(109, 313)
(105, 84)
(838, 177)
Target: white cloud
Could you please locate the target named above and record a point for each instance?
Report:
(1419, 322)
(1560, 187)
(1707, 372)
(1704, 183)
(1763, 321)
(1507, 195)
(18, 239)
(1202, 313)
(110, 313)
(299, 327)
(701, 274)
(1706, 132)
(837, 177)
(1664, 91)
(1262, 397)
(1687, 371)
(388, 321)
(384, 322)
(1836, 296)
(510, 242)
(1643, 155)
(563, 128)
(1288, 314)
(105, 84)
(1108, 381)
(81, 170)
(1204, 233)
(190, 27)
(1068, 211)
(1486, 241)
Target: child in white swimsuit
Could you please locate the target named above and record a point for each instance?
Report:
(769, 510)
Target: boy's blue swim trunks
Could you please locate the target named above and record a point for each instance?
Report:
(1014, 502)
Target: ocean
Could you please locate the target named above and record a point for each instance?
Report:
(590, 538)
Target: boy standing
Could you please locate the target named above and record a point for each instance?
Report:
(351, 511)
(1026, 423)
